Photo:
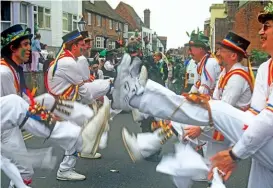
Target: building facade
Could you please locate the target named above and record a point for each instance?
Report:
(55, 19)
(216, 11)
(17, 12)
(246, 24)
(104, 24)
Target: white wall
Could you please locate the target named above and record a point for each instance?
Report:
(53, 36)
(73, 7)
(160, 45)
(150, 32)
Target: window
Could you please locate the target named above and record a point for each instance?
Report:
(120, 26)
(65, 21)
(110, 24)
(69, 22)
(42, 17)
(23, 14)
(125, 31)
(112, 45)
(75, 22)
(5, 15)
(125, 28)
(89, 18)
(116, 25)
(98, 20)
(47, 18)
(99, 42)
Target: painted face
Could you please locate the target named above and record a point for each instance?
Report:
(266, 36)
(87, 49)
(79, 48)
(23, 52)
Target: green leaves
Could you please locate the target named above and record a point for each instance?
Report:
(269, 8)
(258, 56)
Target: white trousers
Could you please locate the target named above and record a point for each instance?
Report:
(80, 115)
(13, 138)
(13, 111)
(12, 172)
(227, 119)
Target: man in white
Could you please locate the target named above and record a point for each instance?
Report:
(205, 81)
(15, 50)
(65, 80)
(15, 113)
(235, 86)
(82, 60)
(252, 135)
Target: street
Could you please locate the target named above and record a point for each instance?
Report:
(115, 157)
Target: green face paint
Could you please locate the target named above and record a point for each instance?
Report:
(22, 53)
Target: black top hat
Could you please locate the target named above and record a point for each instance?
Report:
(236, 43)
(73, 35)
(85, 36)
(267, 14)
(14, 33)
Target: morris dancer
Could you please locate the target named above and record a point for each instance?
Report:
(64, 80)
(16, 112)
(208, 71)
(251, 135)
(235, 87)
(15, 50)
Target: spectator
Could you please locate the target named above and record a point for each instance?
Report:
(50, 58)
(44, 51)
(170, 74)
(161, 65)
(36, 49)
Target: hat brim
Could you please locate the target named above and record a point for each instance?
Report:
(263, 17)
(88, 39)
(23, 37)
(198, 44)
(232, 49)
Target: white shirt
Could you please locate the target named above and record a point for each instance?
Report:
(100, 74)
(44, 53)
(192, 71)
(237, 91)
(109, 66)
(7, 81)
(83, 67)
(68, 74)
(207, 84)
(261, 129)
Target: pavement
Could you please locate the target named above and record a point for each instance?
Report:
(126, 174)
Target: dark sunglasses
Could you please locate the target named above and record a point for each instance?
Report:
(266, 26)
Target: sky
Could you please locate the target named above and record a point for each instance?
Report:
(172, 18)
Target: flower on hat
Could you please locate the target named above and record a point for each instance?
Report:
(12, 37)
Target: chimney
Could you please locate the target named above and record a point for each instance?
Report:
(147, 18)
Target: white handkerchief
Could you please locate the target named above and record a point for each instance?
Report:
(186, 162)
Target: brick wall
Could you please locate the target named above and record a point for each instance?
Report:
(246, 24)
(103, 30)
(231, 7)
(222, 27)
(126, 15)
